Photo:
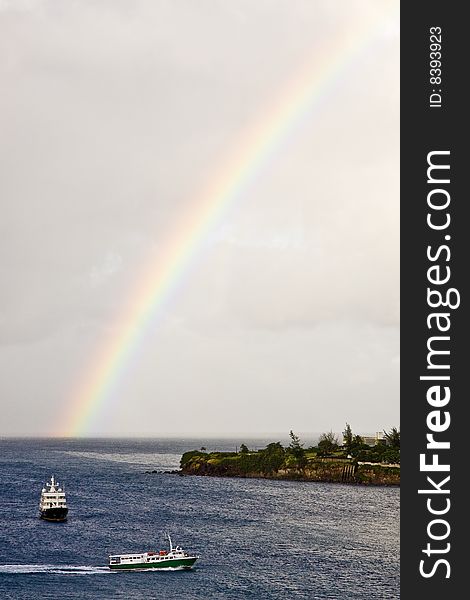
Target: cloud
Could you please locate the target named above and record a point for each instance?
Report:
(115, 116)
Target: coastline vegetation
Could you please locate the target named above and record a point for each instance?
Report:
(352, 461)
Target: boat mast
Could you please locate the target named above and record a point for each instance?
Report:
(171, 545)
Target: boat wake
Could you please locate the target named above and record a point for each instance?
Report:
(58, 569)
(73, 569)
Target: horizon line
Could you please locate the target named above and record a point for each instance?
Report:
(172, 435)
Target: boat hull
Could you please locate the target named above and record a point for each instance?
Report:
(54, 514)
(175, 563)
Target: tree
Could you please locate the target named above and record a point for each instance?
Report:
(353, 444)
(358, 441)
(243, 449)
(295, 445)
(296, 449)
(393, 438)
(272, 457)
(274, 447)
(348, 438)
(328, 443)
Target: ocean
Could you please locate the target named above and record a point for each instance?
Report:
(256, 538)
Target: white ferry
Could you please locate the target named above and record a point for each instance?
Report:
(175, 558)
(53, 505)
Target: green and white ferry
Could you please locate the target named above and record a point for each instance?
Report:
(175, 558)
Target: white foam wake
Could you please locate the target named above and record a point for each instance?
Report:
(59, 569)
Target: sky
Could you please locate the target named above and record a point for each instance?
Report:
(115, 116)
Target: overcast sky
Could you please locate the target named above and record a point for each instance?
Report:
(114, 114)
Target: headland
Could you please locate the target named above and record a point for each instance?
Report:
(354, 462)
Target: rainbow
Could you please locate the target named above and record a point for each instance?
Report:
(253, 151)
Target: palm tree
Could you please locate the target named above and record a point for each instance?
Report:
(393, 437)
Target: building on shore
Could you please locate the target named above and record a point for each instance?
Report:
(373, 440)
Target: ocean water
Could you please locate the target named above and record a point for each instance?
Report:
(256, 538)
